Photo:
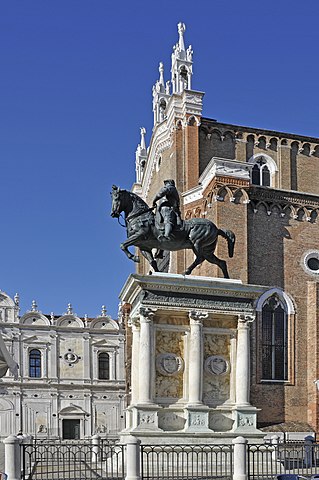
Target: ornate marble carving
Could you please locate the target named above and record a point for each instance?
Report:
(246, 421)
(197, 316)
(180, 299)
(169, 364)
(147, 314)
(216, 365)
(147, 418)
(70, 357)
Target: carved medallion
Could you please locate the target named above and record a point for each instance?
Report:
(169, 364)
(216, 365)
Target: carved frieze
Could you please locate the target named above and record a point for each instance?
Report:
(191, 300)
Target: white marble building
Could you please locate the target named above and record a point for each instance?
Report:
(70, 382)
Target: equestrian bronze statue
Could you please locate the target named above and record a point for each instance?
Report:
(165, 230)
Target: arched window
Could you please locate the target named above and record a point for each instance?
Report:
(104, 366)
(274, 340)
(261, 173)
(35, 363)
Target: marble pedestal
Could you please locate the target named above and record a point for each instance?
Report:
(188, 344)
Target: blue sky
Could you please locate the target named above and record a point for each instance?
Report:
(76, 81)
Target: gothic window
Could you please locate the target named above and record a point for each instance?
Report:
(35, 363)
(274, 341)
(104, 366)
(261, 173)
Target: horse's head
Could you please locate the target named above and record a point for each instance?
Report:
(117, 206)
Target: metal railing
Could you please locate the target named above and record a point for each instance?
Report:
(268, 461)
(186, 462)
(73, 461)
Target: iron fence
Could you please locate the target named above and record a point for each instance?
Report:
(73, 461)
(267, 461)
(185, 462)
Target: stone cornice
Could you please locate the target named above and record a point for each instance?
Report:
(287, 197)
(260, 131)
(177, 292)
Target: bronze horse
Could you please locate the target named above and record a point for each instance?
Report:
(197, 234)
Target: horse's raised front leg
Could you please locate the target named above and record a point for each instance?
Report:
(129, 243)
(149, 257)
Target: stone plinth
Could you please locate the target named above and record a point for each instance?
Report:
(190, 371)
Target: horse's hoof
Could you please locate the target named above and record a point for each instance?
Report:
(186, 273)
(136, 259)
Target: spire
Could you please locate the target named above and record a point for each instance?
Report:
(161, 95)
(161, 72)
(142, 144)
(140, 156)
(181, 29)
(182, 61)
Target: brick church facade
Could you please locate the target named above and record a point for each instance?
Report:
(264, 186)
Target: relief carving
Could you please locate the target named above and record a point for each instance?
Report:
(216, 365)
(169, 364)
(246, 421)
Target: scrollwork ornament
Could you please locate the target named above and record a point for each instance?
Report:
(197, 316)
(245, 319)
(146, 314)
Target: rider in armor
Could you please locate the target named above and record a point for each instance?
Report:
(168, 208)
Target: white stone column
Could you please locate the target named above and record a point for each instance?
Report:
(232, 386)
(133, 455)
(12, 457)
(240, 455)
(243, 360)
(145, 355)
(195, 366)
(135, 325)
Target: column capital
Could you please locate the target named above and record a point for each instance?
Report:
(244, 320)
(146, 314)
(197, 316)
(134, 322)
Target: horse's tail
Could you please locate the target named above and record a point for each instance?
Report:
(230, 237)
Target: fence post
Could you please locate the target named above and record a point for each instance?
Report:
(275, 442)
(96, 439)
(240, 455)
(133, 470)
(12, 457)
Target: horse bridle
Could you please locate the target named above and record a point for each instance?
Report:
(130, 217)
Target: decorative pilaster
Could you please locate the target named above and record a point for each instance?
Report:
(243, 358)
(145, 355)
(195, 383)
(232, 387)
(135, 325)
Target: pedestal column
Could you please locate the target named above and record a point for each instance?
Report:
(243, 359)
(145, 355)
(195, 368)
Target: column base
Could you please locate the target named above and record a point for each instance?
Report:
(197, 419)
(245, 420)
